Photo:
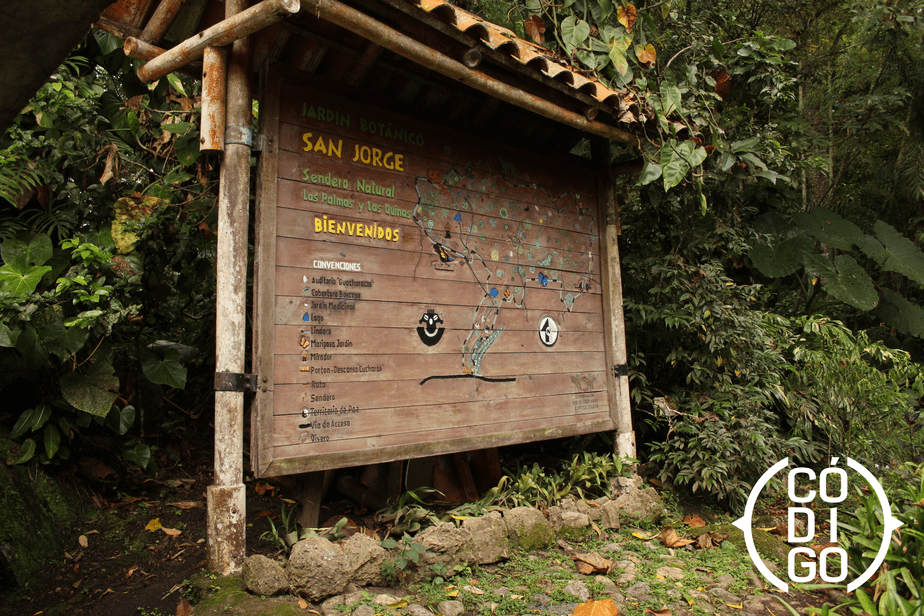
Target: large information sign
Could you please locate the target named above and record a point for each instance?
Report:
(419, 291)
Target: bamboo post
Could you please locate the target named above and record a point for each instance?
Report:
(160, 21)
(214, 71)
(226, 497)
(232, 28)
(614, 325)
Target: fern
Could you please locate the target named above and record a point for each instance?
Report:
(17, 177)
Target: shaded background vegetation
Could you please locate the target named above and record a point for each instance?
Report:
(770, 244)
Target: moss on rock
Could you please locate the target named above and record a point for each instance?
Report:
(37, 518)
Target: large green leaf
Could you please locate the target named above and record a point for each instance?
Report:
(894, 252)
(677, 159)
(783, 259)
(166, 371)
(120, 420)
(36, 252)
(7, 336)
(20, 280)
(844, 280)
(829, 228)
(650, 173)
(898, 312)
(33, 350)
(92, 393)
(26, 452)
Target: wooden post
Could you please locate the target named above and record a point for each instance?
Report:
(160, 21)
(233, 28)
(214, 80)
(613, 322)
(226, 497)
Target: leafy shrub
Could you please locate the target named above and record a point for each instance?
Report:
(899, 586)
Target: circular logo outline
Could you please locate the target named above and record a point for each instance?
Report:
(744, 523)
(548, 331)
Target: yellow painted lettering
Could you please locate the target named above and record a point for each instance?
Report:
(386, 162)
(376, 157)
(399, 162)
(319, 146)
(306, 137)
(331, 150)
(318, 225)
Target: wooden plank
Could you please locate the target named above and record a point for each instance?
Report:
(290, 460)
(291, 399)
(331, 429)
(292, 311)
(415, 366)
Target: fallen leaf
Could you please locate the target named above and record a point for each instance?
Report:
(183, 608)
(693, 521)
(172, 531)
(153, 525)
(664, 611)
(82, 541)
(737, 607)
(535, 29)
(641, 535)
(185, 504)
(92, 532)
(262, 488)
(302, 603)
(597, 608)
(473, 589)
(131, 570)
(670, 538)
(704, 541)
(589, 563)
(76, 567)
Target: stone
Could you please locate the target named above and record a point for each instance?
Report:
(724, 581)
(609, 515)
(577, 589)
(416, 609)
(331, 607)
(384, 600)
(489, 538)
(264, 576)
(366, 560)
(609, 586)
(317, 569)
(352, 597)
(446, 546)
(451, 608)
(754, 580)
(640, 504)
(723, 595)
(575, 526)
(527, 528)
(581, 506)
(364, 610)
(670, 573)
(639, 591)
(541, 599)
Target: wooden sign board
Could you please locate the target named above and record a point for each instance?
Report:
(419, 291)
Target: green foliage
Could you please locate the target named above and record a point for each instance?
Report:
(407, 553)
(898, 589)
(89, 313)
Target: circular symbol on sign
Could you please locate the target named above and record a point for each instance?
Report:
(548, 331)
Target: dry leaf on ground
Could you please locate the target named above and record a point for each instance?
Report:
(302, 603)
(171, 531)
(693, 521)
(589, 563)
(670, 538)
(186, 504)
(183, 608)
(153, 525)
(597, 608)
(664, 611)
(82, 541)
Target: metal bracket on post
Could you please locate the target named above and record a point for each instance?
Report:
(621, 370)
(234, 381)
(241, 135)
(259, 143)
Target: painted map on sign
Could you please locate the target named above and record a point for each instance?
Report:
(506, 245)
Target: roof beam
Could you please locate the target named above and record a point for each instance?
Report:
(224, 32)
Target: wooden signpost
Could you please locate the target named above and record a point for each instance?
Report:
(418, 291)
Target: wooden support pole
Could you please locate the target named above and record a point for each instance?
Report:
(614, 325)
(389, 38)
(226, 498)
(232, 28)
(160, 21)
(214, 72)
